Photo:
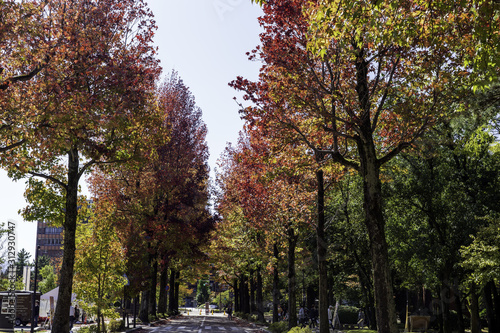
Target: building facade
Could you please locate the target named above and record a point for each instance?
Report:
(50, 240)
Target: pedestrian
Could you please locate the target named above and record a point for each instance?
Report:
(71, 317)
(313, 316)
(36, 314)
(330, 317)
(361, 319)
(280, 313)
(77, 314)
(302, 316)
(230, 312)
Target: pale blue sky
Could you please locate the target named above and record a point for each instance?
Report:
(205, 41)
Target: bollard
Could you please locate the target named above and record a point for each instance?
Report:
(200, 312)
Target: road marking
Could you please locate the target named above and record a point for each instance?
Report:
(201, 325)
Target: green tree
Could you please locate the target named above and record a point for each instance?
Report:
(436, 198)
(202, 291)
(99, 269)
(23, 258)
(49, 279)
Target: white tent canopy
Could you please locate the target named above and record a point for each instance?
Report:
(45, 301)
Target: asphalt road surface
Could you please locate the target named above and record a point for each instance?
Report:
(204, 324)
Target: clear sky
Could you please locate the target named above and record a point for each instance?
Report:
(205, 41)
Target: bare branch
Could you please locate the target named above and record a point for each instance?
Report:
(381, 105)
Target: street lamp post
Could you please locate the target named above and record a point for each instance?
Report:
(33, 297)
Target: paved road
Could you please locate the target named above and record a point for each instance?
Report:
(205, 324)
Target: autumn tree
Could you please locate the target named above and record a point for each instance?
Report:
(161, 200)
(26, 49)
(92, 104)
(267, 203)
(363, 98)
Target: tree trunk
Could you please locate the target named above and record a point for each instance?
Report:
(171, 293)
(324, 326)
(367, 290)
(136, 301)
(292, 297)
(375, 224)
(260, 298)
(147, 295)
(276, 281)
(458, 303)
(99, 320)
(496, 304)
(176, 291)
(475, 321)
(311, 295)
(143, 312)
(61, 316)
(445, 297)
(237, 307)
(162, 298)
(103, 322)
(369, 170)
(253, 308)
(488, 302)
(152, 287)
(244, 294)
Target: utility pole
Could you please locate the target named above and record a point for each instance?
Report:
(33, 296)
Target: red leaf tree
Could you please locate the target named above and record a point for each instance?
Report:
(87, 106)
(161, 201)
(358, 105)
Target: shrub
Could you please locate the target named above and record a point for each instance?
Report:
(348, 314)
(242, 315)
(297, 329)
(279, 327)
(116, 325)
(88, 329)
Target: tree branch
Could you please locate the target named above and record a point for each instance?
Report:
(21, 78)
(41, 175)
(401, 146)
(380, 106)
(14, 145)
